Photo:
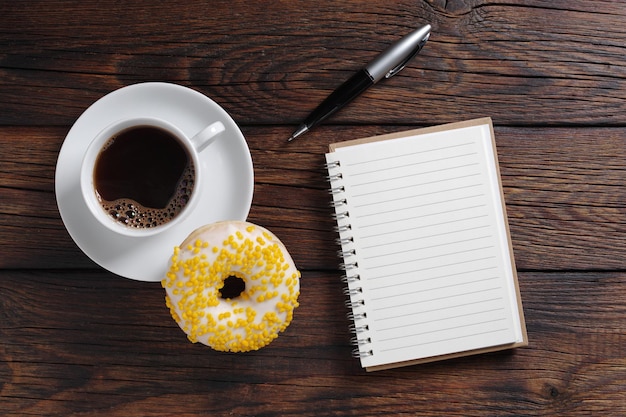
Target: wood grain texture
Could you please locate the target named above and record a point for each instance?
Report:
(566, 207)
(86, 343)
(76, 340)
(522, 62)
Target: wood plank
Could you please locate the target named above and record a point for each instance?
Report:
(523, 63)
(78, 343)
(565, 207)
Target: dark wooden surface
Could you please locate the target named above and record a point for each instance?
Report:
(76, 340)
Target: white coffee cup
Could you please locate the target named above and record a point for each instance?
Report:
(193, 146)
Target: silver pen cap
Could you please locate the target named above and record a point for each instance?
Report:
(396, 56)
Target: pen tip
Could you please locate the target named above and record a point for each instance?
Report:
(302, 129)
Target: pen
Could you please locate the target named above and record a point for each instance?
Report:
(386, 65)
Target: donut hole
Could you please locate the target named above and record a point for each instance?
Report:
(233, 287)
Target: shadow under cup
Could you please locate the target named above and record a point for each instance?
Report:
(140, 177)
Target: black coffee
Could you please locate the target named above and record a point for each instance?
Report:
(143, 177)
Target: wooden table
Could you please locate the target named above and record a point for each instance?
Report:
(77, 340)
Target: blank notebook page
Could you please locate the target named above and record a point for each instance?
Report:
(430, 245)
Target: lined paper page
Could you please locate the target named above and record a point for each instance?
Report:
(430, 245)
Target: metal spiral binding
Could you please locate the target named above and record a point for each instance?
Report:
(344, 241)
(356, 341)
(333, 164)
(348, 266)
(356, 316)
(343, 228)
(346, 279)
(351, 292)
(354, 304)
(360, 343)
(345, 253)
(358, 329)
(341, 216)
(334, 177)
(356, 353)
(338, 203)
(337, 190)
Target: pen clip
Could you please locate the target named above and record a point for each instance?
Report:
(409, 57)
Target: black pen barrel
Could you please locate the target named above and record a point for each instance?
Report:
(347, 92)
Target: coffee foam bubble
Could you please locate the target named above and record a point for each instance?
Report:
(132, 214)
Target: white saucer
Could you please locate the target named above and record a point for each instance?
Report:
(228, 161)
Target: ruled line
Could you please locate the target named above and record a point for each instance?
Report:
(443, 330)
(422, 205)
(418, 323)
(411, 164)
(421, 152)
(424, 226)
(429, 268)
(445, 297)
(424, 290)
(397, 284)
(412, 239)
(368, 183)
(416, 185)
(416, 195)
(422, 216)
(446, 339)
(431, 257)
(438, 309)
(429, 247)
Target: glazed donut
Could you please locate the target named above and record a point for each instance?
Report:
(232, 285)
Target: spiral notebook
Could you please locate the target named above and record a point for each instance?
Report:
(424, 237)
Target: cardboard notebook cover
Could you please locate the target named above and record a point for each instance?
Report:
(516, 303)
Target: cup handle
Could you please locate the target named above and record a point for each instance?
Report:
(207, 136)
